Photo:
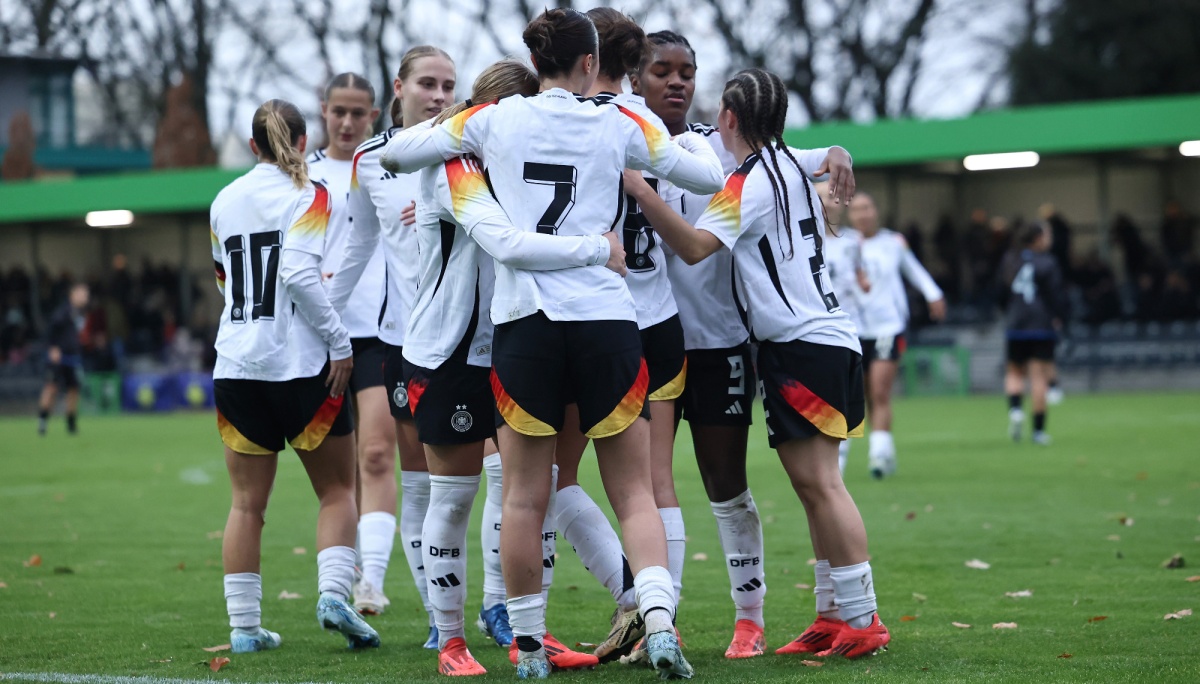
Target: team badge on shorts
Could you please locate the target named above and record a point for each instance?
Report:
(400, 396)
(461, 421)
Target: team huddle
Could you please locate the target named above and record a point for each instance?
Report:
(488, 285)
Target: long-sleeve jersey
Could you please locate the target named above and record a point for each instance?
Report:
(843, 256)
(1035, 295)
(888, 262)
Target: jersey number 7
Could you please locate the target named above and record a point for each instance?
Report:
(264, 271)
(562, 177)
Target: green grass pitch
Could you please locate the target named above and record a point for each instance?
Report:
(129, 583)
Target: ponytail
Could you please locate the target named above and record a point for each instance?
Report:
(395, 113)
(278, 126)
(502, 79)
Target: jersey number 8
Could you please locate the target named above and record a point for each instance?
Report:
(264, 270)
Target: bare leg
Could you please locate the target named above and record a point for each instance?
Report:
(882, 378)
(721, 457)
(837, 528)
(330, 468)
(251, 478)
(569, 448)
(376, 439)
(528, 463)
(662, 452)
(625, 470)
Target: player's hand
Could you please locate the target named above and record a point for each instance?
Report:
(616, 253)
(864, 281)
(937, 310)
(841, 175)
(326, 276)
(636, 185)
(55, 354)
(339, 376)
(409, 215)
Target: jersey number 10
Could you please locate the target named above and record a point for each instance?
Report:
(264, 271)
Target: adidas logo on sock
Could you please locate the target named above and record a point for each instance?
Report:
(735, 410)
(751, 585)
(446, 581)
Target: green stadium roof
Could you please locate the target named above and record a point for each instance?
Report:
(1059, 129)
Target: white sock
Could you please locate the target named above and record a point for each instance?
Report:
(444, 544)
(243, 600)
(672, 519)
(881, 443)
(489, 533)
(335, 571)
(527, 617)
(823, 589)
(549, 540)
(588, 531)
(376, 534)
(854, 593)
(843, 455)
(656, 598)
(740, 530)
(414, 502)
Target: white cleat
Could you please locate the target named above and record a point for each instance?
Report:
(882, 465)
(1054, 396)
(666, 656)
(251, 640)
(1016, 421)
(1041, 438)
(368, 600)
(336, 616)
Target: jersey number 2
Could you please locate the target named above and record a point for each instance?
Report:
(264, 272)
(562, 177)
(808, 230)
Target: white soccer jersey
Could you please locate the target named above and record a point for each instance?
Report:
(644, 257)
(460, 228)
(253, 221)
(555, 162)
(888, 262)
(704, 291)
(361, 314)
(784, 289)
(377, 197)
(843, 256)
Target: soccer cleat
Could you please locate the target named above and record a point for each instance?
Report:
(627, 628)
(368, 600)
(1041, 438)
(560, 657)
(494, 623)
(748, 640)
(533, 665)
(42, 427)
(882, 465)
(665, 656)
(1054, 396)
(818, 637)
(456, 661)
(336, 616)
(1016, 421)
(432, 642)
(257, 639)
(855, 643)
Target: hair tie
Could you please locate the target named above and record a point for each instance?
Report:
(467, 102)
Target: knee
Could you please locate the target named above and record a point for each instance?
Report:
(814, 490)
(376, 459)
(250, 505)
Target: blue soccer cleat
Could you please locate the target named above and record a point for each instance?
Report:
(494, 623)
(251, 640)
(432, 642)
(666, 656)
(336, 615)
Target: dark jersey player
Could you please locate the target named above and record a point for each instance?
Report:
(64, 356)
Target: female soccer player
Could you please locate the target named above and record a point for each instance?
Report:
(718, 400)
(884, 315)
(283, 364)
(448, 358)
(808, 356)
(1035, 308)
(64, 352)
(378, 201)
(555, 163)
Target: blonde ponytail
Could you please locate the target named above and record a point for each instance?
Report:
(278, 126)
(506, 77)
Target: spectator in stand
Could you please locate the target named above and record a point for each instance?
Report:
(1178, 297)
(1136, 254)
(1178, 233)
(947, 247)
(1060, 233)
(1099, 287)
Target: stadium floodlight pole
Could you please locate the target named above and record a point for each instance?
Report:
(1190, 148)
(113, 218)
(1004, 160)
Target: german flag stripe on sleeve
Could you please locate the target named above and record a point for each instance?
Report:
(656, 141)
(725, 208)
(458, 123)
(466, 182)
(315, 221)
(627, 411)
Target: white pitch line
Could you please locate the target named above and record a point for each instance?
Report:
(67, 678)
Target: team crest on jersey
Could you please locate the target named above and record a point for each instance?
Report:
(461, 421)
(400, 396)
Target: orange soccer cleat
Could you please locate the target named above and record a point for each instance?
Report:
(456, 661)
(818, 637)
(748, 640)
(855, 643)
(560, 657)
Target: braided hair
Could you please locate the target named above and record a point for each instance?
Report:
(670, 38)
(759, 100)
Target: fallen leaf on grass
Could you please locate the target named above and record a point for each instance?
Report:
(928, 508)
(222, 647)
(911, 515)
(34, 561)
(60, 497)
(1065, 655)
(1125, 520)
(3, 585)
(1178, 615)
(585, 645)
(1173, 562)
(961, 625)
(181, 566)
(1024, 593)
(1098, 618)
(217, 663)
(812, 663)
(1114, 537)
(907, 618)
(920, 598)
(769, 520)
(164, 660)
(1004, 625)
(700, 556)
(977, 564)
(1142, 475)
(811, 561)
(802, 586)
(215, 534)
(53, 615)
(1193, 578)
(299, 550)
(285, 594)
